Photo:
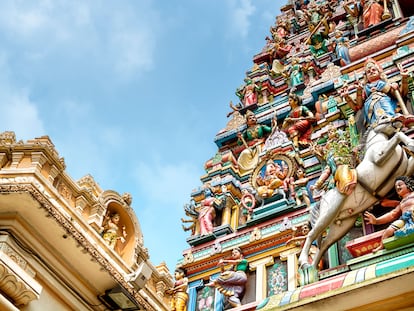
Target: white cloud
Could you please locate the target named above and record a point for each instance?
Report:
(133, 50)
(167, 183)
(20, 115)
(18, 112)
(240, 11)
(122, 37)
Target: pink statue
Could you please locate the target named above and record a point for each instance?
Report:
(207, 213)
(248, 95)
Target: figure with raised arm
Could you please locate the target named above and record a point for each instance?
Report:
(248, 94)
(318, 39)
(252, 138)
(232, 283)
(401, 214)
(376, 96)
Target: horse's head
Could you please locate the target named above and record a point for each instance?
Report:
(389, 125)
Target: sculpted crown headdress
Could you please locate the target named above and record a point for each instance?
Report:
(249, 113)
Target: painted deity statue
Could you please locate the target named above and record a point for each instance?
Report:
(341, 46)
(179, 291)
(111, 232)
(401, 215)
(298, 188)
(371, 12)
(248, 203)
(207, 213)
(353, 8)
(252, 138)
(248, 94)
(298, 123)
(317, 41)
(273, 178)
(295, 72)
(232, 283)
(376, 96)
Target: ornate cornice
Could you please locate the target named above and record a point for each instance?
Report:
(69, 226)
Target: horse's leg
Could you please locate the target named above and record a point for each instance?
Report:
(335, 232)
(404, 139)
(330, 204)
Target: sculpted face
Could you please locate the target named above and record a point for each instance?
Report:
(372, 72)
(292, 101)
(251, 119)
(115, 219)
(236, 253)
(401, 188)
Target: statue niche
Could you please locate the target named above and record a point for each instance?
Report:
(272, 176)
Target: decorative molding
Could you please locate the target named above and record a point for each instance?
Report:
(71, 230)
(13, 285)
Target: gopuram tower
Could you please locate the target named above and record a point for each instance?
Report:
(288, 215)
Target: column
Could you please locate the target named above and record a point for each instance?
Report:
(292, 266)
(261, 276)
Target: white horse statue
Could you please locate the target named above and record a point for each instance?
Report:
(384, 160)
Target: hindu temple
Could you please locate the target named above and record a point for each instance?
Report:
(307, 202)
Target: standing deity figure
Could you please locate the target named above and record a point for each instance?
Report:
(207, 212)
(298, 188)
(248, 94)
(371, 12)
(179, 291)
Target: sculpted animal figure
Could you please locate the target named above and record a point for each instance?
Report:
(384, 160)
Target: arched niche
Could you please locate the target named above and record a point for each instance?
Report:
(115, 203)
(281, 160)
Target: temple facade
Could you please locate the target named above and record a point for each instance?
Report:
(69, 245)
(289, 213)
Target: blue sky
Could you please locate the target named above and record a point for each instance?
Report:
(131, 92)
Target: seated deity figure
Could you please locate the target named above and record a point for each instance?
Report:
(111, 232)
(298, 123)
(253, 137)
(377, 97)
(274, 177)
(318, 39)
